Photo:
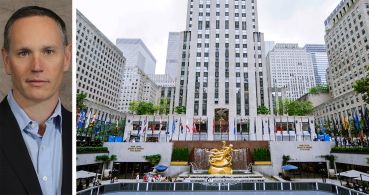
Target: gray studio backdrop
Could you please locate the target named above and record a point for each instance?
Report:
(64, 9)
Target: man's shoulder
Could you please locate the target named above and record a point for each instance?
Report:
(4, 107)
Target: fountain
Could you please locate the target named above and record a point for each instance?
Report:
(225, 165)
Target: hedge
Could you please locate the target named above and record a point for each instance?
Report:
(90, 149)
(261, 154)
(353, 150)
(180, 154)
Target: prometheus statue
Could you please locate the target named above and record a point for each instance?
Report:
(221, 160)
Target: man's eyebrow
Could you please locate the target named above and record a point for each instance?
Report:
(23, 49)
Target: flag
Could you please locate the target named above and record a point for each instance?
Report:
(87, 123)
(139, 127)
(81, 119)
(269, 127)
(194, 130)
(187, 127)
(262, 126)
(344, 121)
(92, 123)
(294, 125)
(241, 126)
(167, 127)
(356, 119)
(153, 125)
(366, 119)
(255, 125)
(180, 125)
(207, 124)
(173, 126)
(145, 126)
(288, 129)
(234, 128)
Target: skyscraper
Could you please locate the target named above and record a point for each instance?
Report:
(222, 71)
(99, 70)
(346, 38)
(173, 53)
(291, 67)
(319, 58)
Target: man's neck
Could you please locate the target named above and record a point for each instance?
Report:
(38, 111)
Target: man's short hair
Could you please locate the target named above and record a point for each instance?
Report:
(33, 11)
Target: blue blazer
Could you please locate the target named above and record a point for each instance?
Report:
(17, 175)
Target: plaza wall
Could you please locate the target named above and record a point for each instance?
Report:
(354, 159)
(88, 159)
(135, 151)
(299, 151)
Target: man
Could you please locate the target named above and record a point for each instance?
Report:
(35, 129)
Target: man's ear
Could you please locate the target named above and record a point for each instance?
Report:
(6, 63)
(68, 57)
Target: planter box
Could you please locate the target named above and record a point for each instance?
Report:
(178, 163)
(263, 163)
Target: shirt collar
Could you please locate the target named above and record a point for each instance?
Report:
(21, 116)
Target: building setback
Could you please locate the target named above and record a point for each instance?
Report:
(137, 54)
(291, 68)
(99, 70)
(173, 54)
(319, 58)
(346, 39)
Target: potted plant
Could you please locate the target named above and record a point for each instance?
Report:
(180, 157)
(261, 156)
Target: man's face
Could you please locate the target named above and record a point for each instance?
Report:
(36, 59)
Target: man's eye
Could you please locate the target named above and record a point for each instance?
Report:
(49, 52)
(23, 53)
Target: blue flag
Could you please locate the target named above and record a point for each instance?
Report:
(235, 128)
(173, 126)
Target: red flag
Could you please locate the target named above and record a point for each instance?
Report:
(153, 125)
(187, 127)
(194, 130)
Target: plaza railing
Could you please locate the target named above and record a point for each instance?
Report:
(193, 187)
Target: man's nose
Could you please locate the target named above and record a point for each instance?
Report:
(37, 63)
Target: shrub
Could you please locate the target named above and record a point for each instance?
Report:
(153, 159)
(89, 149)
(180, 154)
(261, 154)
(353, 150)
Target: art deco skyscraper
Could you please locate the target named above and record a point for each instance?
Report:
(222, 67)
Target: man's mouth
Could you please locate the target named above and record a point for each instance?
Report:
(37, 82)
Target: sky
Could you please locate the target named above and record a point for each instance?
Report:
(281, 21)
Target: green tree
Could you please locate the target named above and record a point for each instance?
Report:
(285, 159)
(180, 109)
(362, 86)
(262, 109)
(142, 107)
(163, 106)
(299, 108)
(319, 89)
(81, 100)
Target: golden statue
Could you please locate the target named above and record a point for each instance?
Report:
(221, 160)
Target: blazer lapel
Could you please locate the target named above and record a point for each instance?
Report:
(67, 151)
(16, 151)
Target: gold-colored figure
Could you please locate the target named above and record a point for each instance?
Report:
(221, 160)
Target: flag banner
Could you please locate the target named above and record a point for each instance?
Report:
(153, 126)
(173, 126)
(262, 126)
(235, 128)
(194, 130)
(180, 125)
(139, 126)
(187, 127)
(356, 119)
(87, 123)
(81, 119)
